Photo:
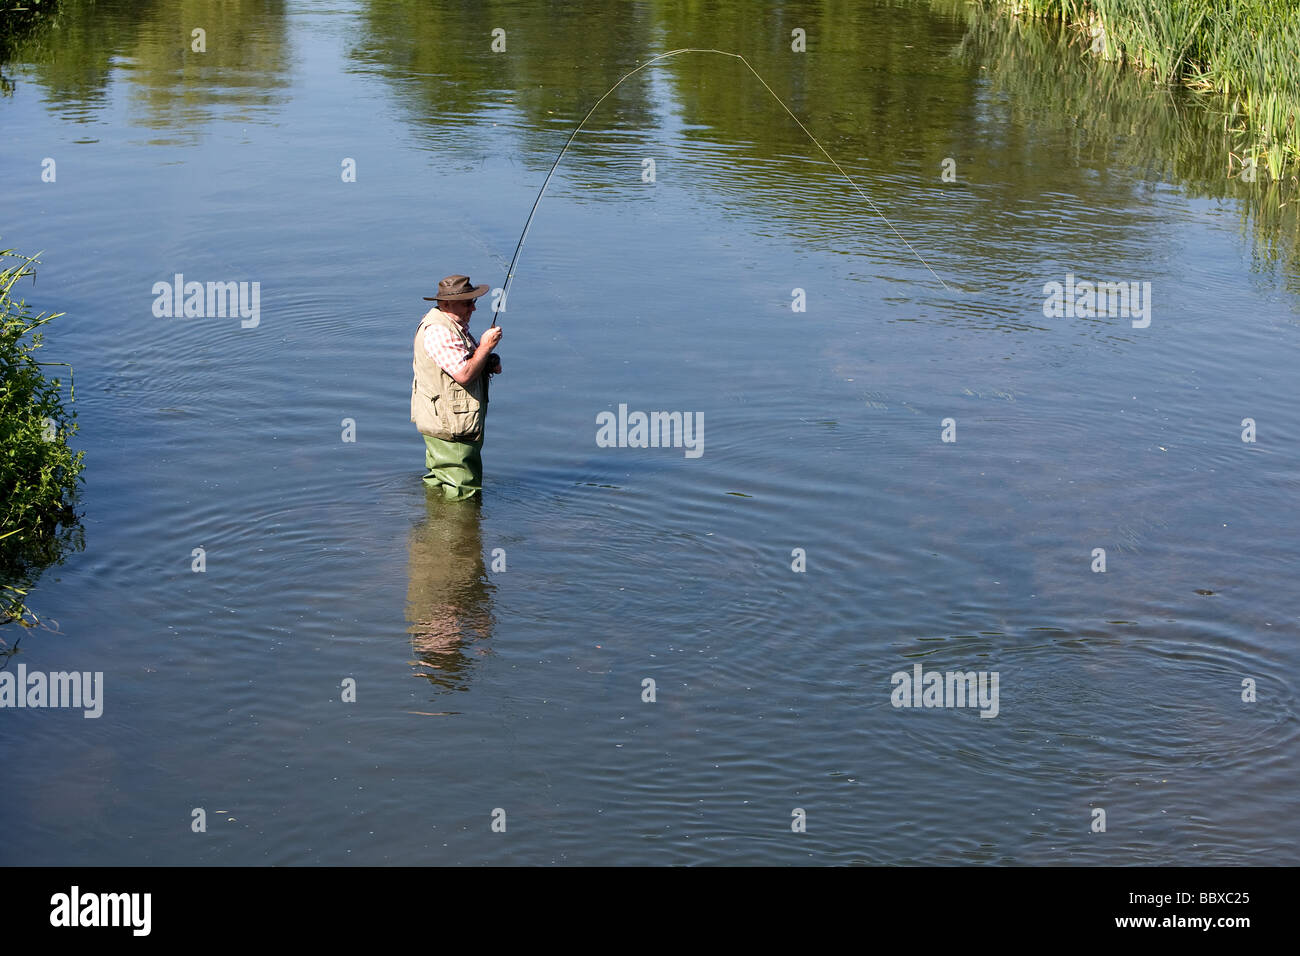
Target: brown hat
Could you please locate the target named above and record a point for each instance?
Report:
(457, 287)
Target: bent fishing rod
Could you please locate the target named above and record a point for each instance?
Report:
(510, 270)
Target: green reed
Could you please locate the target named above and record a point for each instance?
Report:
(39, 472)
(1246, 52)
(1118, 117)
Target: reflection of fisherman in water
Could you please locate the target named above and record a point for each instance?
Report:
(448, 597)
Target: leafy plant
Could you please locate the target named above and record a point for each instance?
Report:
(1246, 51)
(39, 473)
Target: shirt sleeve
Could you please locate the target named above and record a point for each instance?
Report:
(446, 348)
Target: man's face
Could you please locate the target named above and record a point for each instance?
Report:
(462, 308)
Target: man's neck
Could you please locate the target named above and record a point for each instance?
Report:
(462, 322)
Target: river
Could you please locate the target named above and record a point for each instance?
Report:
(826, 538)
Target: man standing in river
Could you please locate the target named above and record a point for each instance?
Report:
(449, 394)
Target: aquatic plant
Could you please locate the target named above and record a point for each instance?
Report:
(18, 18)
(1247, 52)
(39, 473)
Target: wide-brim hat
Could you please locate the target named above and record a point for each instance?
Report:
(454, 288)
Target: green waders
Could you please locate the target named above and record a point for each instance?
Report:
(455, 465)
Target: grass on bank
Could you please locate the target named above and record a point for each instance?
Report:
(39, 473)
(1245, 51)
(18, 18)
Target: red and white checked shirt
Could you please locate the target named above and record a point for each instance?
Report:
(445, 347)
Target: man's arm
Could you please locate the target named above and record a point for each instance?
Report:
(475, 364)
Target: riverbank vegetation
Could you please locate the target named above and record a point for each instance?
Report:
(18, 18)
(39, 473)
(1244, 52)
(1117, 119)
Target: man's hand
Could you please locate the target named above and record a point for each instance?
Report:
(478, 363)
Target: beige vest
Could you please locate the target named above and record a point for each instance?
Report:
(440, 406)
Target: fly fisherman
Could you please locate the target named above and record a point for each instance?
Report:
(449, 394)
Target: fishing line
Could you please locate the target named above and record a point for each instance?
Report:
(510, 271)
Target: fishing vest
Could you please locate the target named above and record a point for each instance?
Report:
(440, 406)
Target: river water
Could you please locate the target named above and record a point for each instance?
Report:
(500, 651)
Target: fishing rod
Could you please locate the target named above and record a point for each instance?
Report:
(510, 270)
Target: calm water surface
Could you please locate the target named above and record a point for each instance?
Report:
(480, 688)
